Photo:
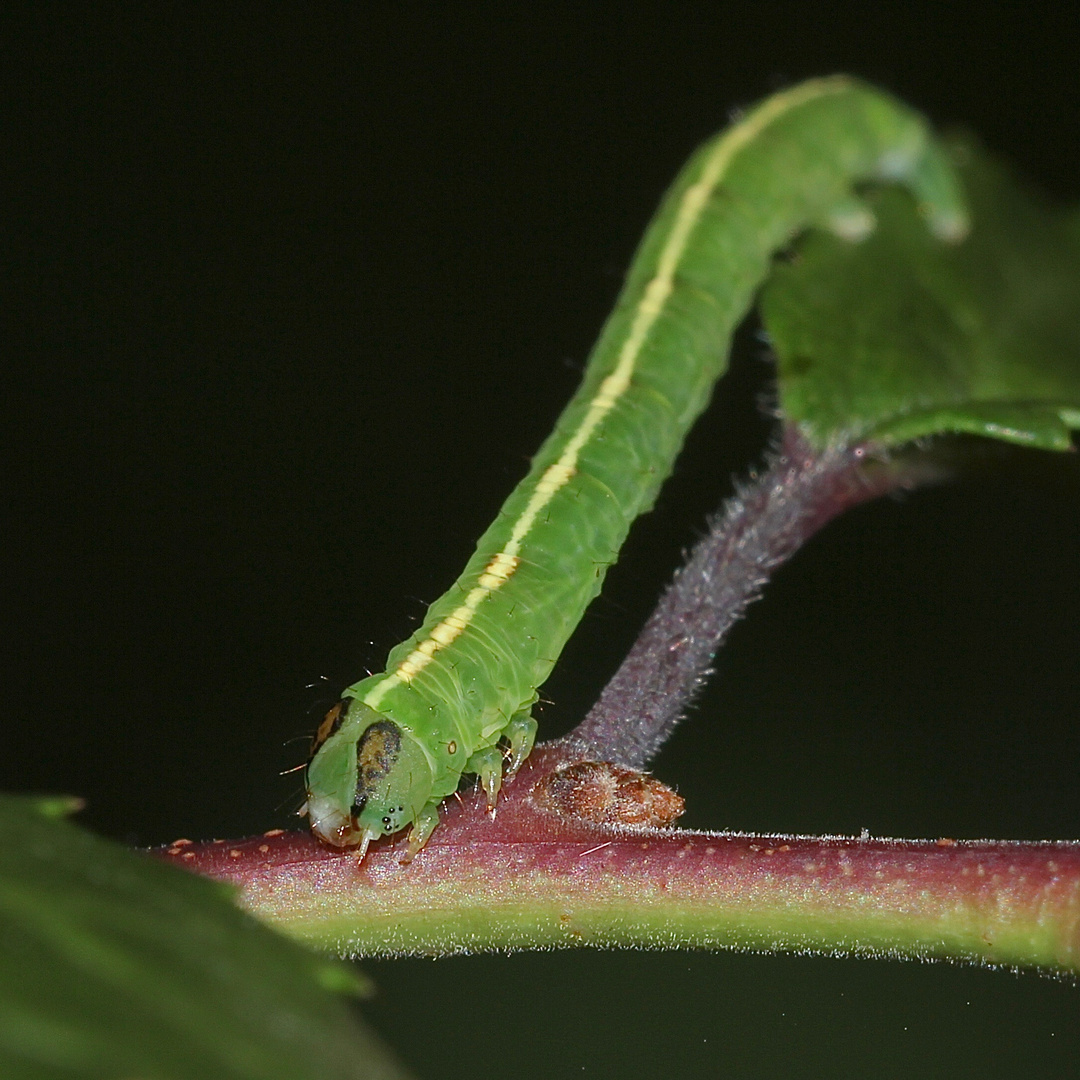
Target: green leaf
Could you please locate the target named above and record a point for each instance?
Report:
(902, 336)
(115, 965)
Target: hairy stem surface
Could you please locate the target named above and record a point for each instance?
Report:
(762, 526)
(535, 879)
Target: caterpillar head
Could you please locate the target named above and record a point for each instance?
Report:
(368, 777)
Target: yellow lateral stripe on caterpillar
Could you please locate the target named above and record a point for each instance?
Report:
(649, 309)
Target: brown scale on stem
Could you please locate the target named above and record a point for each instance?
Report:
(604, 793)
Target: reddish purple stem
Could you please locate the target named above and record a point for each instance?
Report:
(533, 878)
(761, 527)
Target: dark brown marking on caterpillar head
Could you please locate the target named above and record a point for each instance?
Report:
(609, 795)
(377, 752)
(330, 724)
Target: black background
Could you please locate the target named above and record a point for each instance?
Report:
(293, 291)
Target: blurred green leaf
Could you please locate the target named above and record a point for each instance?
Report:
(115, 965)
(902, 336)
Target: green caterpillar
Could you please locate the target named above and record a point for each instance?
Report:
(399, 742)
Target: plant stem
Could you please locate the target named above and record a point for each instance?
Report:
(534, 879)
(761, 527)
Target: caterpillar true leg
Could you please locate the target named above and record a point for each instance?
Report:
(521, 734)
(488, 764)
(420, 834)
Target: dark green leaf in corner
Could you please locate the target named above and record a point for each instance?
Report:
(114, 965)
(902, 336)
